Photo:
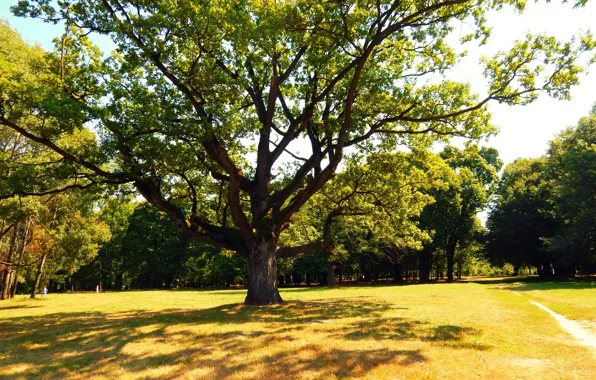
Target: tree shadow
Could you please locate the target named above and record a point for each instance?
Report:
(553, 285)
(500, 280)
(218, 342)
(404, 329)
(12, 307)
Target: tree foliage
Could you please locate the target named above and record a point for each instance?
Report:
(544, 212)
(452, 218)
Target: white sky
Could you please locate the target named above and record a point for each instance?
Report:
(525, 130)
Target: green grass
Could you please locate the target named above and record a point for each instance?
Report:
(419, 331)
(574, 300)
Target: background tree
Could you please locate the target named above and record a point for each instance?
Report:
(67, 236)
(523, 218)
(545, 208)
(108, 269)
(572, 158)
(380, 195)
(452, 218)
(147, 252)
(190, 84)
(470, 248)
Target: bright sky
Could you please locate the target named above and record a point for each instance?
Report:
(525, 130)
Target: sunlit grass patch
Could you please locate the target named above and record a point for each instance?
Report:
(419, 331)
(575, 300)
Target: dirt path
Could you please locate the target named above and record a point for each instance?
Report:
(583, 336)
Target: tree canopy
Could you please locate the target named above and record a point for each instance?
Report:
(545, 209)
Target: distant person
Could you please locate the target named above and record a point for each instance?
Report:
(44, 292)
(97, 289)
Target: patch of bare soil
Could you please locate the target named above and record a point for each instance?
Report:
(583, 335)
(589, 325)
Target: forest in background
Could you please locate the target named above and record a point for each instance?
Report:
(540, 221)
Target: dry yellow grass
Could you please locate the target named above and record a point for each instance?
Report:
(444, 331)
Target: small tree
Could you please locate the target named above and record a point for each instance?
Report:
(452, 218)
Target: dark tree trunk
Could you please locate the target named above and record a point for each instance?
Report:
(262, 274)
(449, 268)
(119, 281)
(38, 275)
(100, 275)
(460, 268)
(330, 272)
(450, 260)
(323, 278)
(425, 263)
(516, 269)
(5, 294)
(397, 273)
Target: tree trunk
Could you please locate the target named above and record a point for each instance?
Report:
(5, 294)
(425, 263)
(460, 268)
(262, 274)
(397, 273)
(8, 271)
(38, 275)
(330, 272)
(516, 269)
(450, 251)
(15, 284)
(21, 254)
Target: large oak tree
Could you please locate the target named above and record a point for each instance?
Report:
(204, 104)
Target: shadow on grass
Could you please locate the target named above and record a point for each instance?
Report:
(552, 285)
(219, 342)
(500, 280)
(12, 307)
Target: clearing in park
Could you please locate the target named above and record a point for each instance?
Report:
(448, 331)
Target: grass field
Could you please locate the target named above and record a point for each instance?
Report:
(445, 331)
(574, 300)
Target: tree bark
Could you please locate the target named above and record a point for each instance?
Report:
(21, 254)
(15, 284)
(38, 275)
(330, 272)
(262, 274)
(8, 271)
(5, 294)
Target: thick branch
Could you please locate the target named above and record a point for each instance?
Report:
(219, 238)
(50, 144)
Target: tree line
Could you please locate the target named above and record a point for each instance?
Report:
(545, 208)
(395, 217)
